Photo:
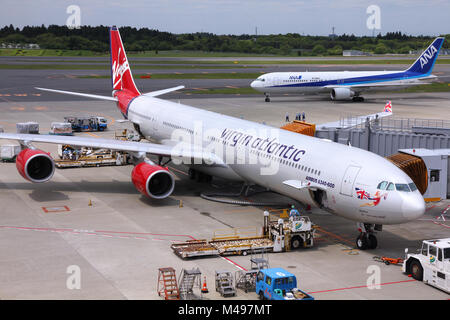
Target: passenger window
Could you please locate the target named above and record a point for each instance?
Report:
(440, 254)
(432, 251)
(390, 186)
(382, 185)
(269, 280)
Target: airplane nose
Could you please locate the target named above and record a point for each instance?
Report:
(413, 207)
(253, 84)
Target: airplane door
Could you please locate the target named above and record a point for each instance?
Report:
(349, 180)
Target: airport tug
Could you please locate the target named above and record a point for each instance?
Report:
(431, 265)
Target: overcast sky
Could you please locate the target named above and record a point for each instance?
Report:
(314, 17)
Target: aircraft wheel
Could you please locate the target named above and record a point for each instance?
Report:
(362, 243)
(373, 242)
(267, 99)
(296, 242)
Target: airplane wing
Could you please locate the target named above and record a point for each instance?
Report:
(354, 121)
(179, 151)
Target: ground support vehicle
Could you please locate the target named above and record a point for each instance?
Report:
(279, 284)
(432, 264)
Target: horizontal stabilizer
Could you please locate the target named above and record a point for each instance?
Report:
(163, 91)
(93, 96)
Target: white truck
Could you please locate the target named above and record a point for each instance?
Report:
(431, 265)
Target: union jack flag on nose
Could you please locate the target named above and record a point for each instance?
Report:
(362, 194)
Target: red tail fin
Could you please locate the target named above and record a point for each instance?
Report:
(122, 79)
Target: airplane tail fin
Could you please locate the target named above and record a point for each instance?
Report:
(425, 63)
(121, 76)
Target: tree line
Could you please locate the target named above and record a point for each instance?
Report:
(143, 39)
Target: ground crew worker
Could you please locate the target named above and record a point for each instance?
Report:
(303, 116)
(287, 117)
(294, 212)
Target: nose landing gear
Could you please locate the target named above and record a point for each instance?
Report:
(267, 97)
(367, 238)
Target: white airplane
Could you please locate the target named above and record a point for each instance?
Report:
(346, 85)
(348, 182)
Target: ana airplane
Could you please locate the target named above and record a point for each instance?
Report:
(349, 182)
(346, 85)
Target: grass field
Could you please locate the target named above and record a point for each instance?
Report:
(433, 87)
(194, 54)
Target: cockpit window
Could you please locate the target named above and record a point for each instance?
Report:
(382, 185)
(390, 186)
(402, 187)
(261, 79)
(412, 186)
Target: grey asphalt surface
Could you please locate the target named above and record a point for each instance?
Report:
(18, 84)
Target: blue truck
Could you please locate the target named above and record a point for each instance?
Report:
(89, 123)
(279, 284)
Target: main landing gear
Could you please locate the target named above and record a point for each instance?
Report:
(199, 176)
(267, 97)
(358, 99)
(367, 238)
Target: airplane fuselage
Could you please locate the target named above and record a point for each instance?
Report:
(322, 82)
(343, 179)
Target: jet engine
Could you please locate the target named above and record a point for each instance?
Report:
(35, 165)
(341, 94)
(152, 180)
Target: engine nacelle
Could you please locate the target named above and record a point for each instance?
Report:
(341, 94)
(35, 165)
(153, 181)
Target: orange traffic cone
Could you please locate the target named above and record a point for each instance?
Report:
(204, 287)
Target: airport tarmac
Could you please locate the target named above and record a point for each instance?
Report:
(19, 84)
(119, 242)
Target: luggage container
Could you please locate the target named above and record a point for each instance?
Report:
(9, 152)
(27, 127)
(61, 128)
